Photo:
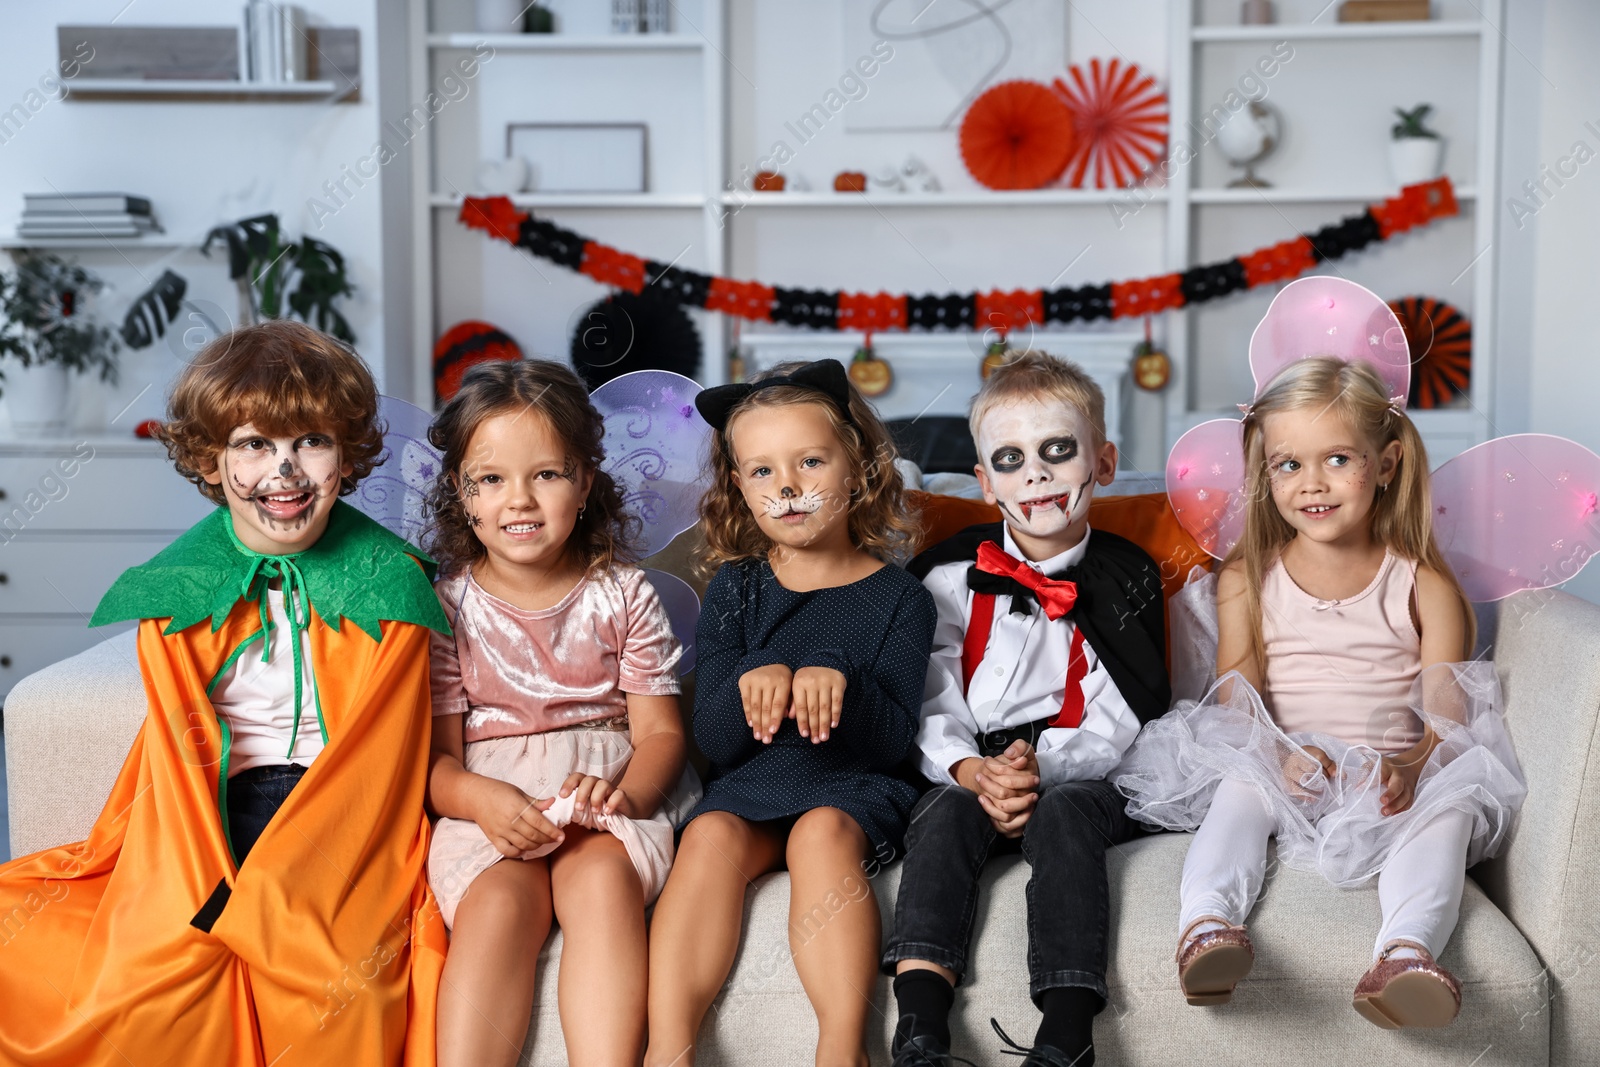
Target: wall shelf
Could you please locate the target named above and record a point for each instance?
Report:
(981, 198)
(576, 201)
(174, 89)
(556, 42)
(1336, 31)
(1304, 196)
(109, 244)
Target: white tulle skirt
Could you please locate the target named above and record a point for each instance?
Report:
(1333, 826)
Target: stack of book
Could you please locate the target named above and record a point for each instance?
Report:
(90, 216)
(272, 47)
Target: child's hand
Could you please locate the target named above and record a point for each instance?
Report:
(1011, 815)
(765, 692)
(817, 701)
(511, 819)
(594, 794)
(1297, 768)
(1013, 773)
(1399, 784)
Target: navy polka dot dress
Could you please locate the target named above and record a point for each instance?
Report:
(877, 632)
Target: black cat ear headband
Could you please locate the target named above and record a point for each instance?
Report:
(825, 376)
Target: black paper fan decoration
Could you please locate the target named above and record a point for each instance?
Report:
(1440, 338)
(626, 332)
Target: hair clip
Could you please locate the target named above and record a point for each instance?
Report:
(1397, 405)
(1246, 410)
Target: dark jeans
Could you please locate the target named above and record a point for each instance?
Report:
(254, 797)
(1069, 902)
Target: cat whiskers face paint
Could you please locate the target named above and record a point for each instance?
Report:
(1037, 464)
(791, 502)
(280, 489)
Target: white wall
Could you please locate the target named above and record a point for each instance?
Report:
(200, 164)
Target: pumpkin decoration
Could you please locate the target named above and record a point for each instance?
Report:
(870, 374)
(1440, 338)
(1017, 135)
(994, 358)
(1152, 369)
(768, 181)
(850, 181)
(465, 345)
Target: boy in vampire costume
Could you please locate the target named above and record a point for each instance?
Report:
(1048, 656)
(254, 891)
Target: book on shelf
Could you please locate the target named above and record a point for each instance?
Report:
(84, 203)
(90, 224)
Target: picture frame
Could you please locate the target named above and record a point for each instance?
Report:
(582, 157)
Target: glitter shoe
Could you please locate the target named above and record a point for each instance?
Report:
(1212, 963)
(1414, 992)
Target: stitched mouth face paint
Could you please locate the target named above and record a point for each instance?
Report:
(1037, 457)
(279, 489)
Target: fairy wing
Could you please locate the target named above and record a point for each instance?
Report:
(396, 491)
(1328, 316)
(1517, 513)
(1205, 484)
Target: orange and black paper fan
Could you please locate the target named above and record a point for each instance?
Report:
(1440, 338)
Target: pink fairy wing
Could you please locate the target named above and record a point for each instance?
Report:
(1326, 316)
(655, 446)
(683, 611)
(1205, 484)
(1517, 513)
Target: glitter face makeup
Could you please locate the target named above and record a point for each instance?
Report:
(1036, 462)
(1323, 474)
(279, 490)
(521, 491)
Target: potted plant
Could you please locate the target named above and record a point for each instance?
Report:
(1416, 151)
(43, 334)
(278, 278)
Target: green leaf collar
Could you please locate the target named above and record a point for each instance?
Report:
(357, 570)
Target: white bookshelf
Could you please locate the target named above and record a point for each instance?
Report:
(558, 42)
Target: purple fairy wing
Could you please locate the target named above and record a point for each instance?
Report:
(395, 491)
(1325, 316)
(1517, 513)
(683, 611)
(1205, 484)
(655, 443)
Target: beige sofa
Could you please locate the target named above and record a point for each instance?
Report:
(1527, 949)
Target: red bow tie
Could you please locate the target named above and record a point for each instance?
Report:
(1056, 596)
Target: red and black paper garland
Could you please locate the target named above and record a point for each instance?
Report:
(1417, 205)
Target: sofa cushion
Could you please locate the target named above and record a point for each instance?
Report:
(1312, 944)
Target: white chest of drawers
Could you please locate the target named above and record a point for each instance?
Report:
(74, 514)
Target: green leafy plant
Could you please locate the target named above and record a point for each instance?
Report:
(1411, 124)
(42, 320)
(278, 277)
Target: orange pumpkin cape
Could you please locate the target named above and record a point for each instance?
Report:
(327, 945)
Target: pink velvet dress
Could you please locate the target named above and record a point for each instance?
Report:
(544, 694)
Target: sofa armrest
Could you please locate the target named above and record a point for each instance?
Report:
(68, 731)
(1547, 652)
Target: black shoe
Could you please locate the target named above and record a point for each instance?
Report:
(925, 1051)
(1038, 1055)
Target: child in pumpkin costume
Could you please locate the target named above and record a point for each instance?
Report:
(254, 891)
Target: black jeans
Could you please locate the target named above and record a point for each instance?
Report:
(1069, 902)
(254, 797)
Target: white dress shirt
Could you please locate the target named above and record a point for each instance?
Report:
(256, 700)
(1022, 678)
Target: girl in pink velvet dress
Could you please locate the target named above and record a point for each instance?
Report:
(558, 743)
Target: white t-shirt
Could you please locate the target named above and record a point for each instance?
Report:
(257, 699)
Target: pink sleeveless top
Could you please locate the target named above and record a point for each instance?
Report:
(1344, 667)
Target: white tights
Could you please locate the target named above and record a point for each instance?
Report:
(1419, 888)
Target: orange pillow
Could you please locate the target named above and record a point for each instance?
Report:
(1146, 519)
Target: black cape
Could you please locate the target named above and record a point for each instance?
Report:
(1120, 609)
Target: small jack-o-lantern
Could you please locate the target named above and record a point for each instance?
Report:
(871, 374)
(768, 181)
(850, 181)
(994, 358)
(1151, 367)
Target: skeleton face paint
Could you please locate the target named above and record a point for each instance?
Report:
(1037, 462)
(279, 490)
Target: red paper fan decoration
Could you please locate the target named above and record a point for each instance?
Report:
(1017, 135)
(1121, 122)
(1440, 338)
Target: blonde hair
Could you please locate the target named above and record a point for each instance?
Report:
(1035, 375)
(1402, 515)
(879, 522)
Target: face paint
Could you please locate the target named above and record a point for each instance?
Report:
(788, 502)
(280, 489)
(1037, 457)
